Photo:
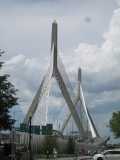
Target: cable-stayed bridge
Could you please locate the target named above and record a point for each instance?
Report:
(75, 103)
(57, 71)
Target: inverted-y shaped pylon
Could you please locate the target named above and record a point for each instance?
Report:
(55, 71)
(80, 97)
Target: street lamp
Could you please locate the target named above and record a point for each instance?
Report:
(30, 137)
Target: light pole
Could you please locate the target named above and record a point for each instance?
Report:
(13, 143)
(30, 137)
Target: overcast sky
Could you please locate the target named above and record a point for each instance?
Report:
(89, 37)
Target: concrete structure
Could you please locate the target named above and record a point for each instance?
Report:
(81, 102)
(57, 71)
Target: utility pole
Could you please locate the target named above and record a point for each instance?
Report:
(13, 145)
(30, 137)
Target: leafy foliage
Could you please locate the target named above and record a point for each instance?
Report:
(71, 146)
(115, 124)
(8, 99)
(50, 143)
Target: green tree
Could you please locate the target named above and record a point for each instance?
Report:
(71, 146)
(50, 142)
(114, 124)
(8, 99)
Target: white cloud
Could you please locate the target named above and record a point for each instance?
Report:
(55, 102)
(16, 60)
(102, 98)
(105, 58)
(25, 74)
(118, 2)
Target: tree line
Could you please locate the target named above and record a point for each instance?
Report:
(8, 99)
